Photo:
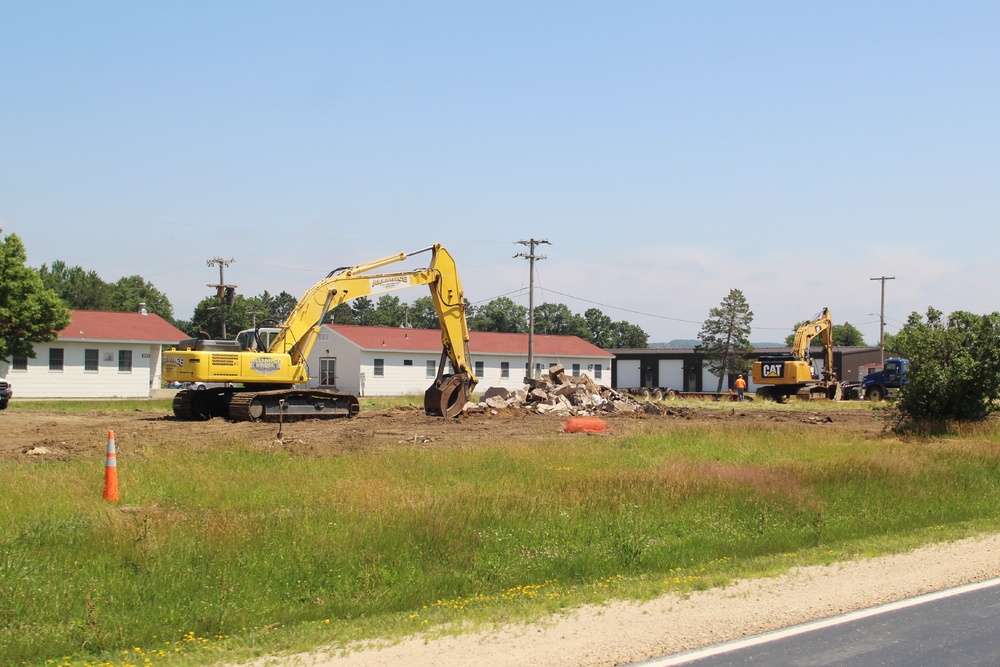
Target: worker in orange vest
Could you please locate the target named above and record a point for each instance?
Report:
(741, 386)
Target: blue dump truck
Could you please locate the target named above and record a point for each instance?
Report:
(881, 384)
(877, 381)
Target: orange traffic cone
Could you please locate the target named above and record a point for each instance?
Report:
(111, 471)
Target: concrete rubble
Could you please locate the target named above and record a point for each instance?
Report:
(563, 395)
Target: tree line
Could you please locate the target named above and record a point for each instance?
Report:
(501, 315)
(954, 361)
(80, 289)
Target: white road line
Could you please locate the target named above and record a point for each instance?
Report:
(736, 644)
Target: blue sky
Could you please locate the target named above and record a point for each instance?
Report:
(668, 151)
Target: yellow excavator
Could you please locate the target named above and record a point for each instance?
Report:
(260, 383)
(778, 377)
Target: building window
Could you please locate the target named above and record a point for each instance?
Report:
(407, 362)
(124, 361)
(379, 370)
(597, 371)
(90, 361)
(328, 372)
(505, 369)
(431, 368)
(576, 370)
(55, 358)
(479, 369)
(19, 363)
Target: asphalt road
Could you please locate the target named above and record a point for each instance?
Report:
(952, 628)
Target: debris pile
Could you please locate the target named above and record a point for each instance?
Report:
(563, 395)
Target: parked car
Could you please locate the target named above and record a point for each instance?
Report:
(201, 386)
(6, 391)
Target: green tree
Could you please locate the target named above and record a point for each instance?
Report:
(954, 369)
(607, 334)
(78, 289)
(502, 315)
(206, 319)
(126, 295)
(556, 319)
(30, 312)
(422, 315)
(600, 326)
(342, 314)
(725, 337)
(847, 335)
(389, 311)
(844, 335)
(627, 335)
(277, 307)
(364, 311)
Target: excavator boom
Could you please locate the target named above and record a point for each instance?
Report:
(269, 378)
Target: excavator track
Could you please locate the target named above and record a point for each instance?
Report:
(199, 405)
(291, 404)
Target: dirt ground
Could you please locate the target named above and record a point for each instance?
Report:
(612, 634)
(34, 435)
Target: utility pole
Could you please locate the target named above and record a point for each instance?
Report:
(227, 293)
(881, 318)
(532, 258)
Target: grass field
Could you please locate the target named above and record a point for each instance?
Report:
(232, 552)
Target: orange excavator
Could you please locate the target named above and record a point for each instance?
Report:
(263, 382)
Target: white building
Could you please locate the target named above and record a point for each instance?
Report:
(99, 355)
(386, 361)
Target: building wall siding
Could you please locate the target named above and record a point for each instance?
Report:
(74, 382)
(356, 368)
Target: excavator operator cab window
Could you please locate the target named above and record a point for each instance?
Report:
(248, 338)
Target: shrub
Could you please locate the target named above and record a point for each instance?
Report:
(954, 366)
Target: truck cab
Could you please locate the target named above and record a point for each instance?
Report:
(884, 383)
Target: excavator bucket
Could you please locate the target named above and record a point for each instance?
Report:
(447, 396)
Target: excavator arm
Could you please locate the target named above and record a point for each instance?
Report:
(821, 325)
(303, 324)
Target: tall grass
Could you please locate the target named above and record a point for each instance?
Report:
(238, 550)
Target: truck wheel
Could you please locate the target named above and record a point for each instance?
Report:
(645, 394)
(671, 395)
(657, 395)
(876, 394)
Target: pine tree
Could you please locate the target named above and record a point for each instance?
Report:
(725, 337)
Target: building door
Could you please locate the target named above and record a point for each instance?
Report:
(328, 371)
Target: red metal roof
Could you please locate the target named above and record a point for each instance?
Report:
(105, 325)
(485, 342)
